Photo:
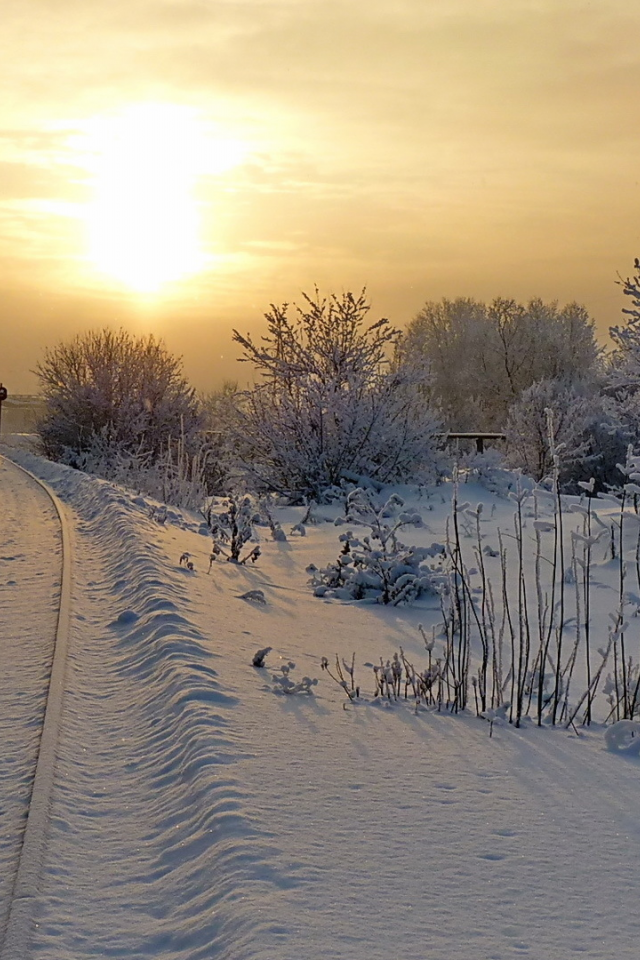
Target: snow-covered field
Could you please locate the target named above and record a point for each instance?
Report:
(198, 812)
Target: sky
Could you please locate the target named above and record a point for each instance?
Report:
(176, 166)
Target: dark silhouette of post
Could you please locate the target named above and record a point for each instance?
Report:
(480, 438)
(3, 396)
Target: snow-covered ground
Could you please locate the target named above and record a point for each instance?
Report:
(29, 593)
(198, 813)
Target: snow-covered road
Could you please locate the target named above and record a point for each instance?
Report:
(30, 573)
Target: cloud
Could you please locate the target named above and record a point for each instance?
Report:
(461, 147)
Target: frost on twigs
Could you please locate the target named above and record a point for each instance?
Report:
(338, 675)
(283, 683)
(330, 403)
(397, 678)
(231, 529)
(185, 559)
(378, 566)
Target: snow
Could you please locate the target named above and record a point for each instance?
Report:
(198, 814)
(29, 591)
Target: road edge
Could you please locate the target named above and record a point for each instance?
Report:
(19, 931)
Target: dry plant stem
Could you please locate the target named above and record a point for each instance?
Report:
(558, 569)
(560, 621)
(429, 644)
(432, 675)
(410, 675)
(549, 628)
(496, 655)
(619, 658)
(352, 671)
(531, 684)
(542, 608)
(507, 621)
(487, 619)
(621, 574)
(339, 678)
(634, 699)
(616, 708)
(524, 638)
(590, 692)
(586, 587)
(516, 708)
(460, 678)
(474, 681)
(543, 612)
(448, 646)
(568, 672)
(481, 621)
(637, 549)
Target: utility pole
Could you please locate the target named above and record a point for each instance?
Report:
(3, 396)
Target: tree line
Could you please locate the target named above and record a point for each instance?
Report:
(339, 397)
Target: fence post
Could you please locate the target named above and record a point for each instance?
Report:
(3, 396)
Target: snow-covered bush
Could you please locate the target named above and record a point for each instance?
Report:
(581, 425)
(173, 477)
(329, 403)
(378, 566)
(124, 393)
(283, 682)
(623, 737)
(231, 528)
(277, 533)
(488, 469)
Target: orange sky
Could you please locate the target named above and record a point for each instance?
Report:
(423, 148)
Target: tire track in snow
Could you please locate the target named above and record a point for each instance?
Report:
(18, 926)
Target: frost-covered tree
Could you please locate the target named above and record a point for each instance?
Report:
(624, 372)
(482, 356)
(588, 436)
(220, 418)
(621, 382)
(116, 392)
(329, 404)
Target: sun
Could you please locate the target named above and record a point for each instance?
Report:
(144, 222)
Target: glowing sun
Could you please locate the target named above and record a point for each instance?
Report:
(144, 221)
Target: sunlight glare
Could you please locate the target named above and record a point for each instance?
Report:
(144, 222)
